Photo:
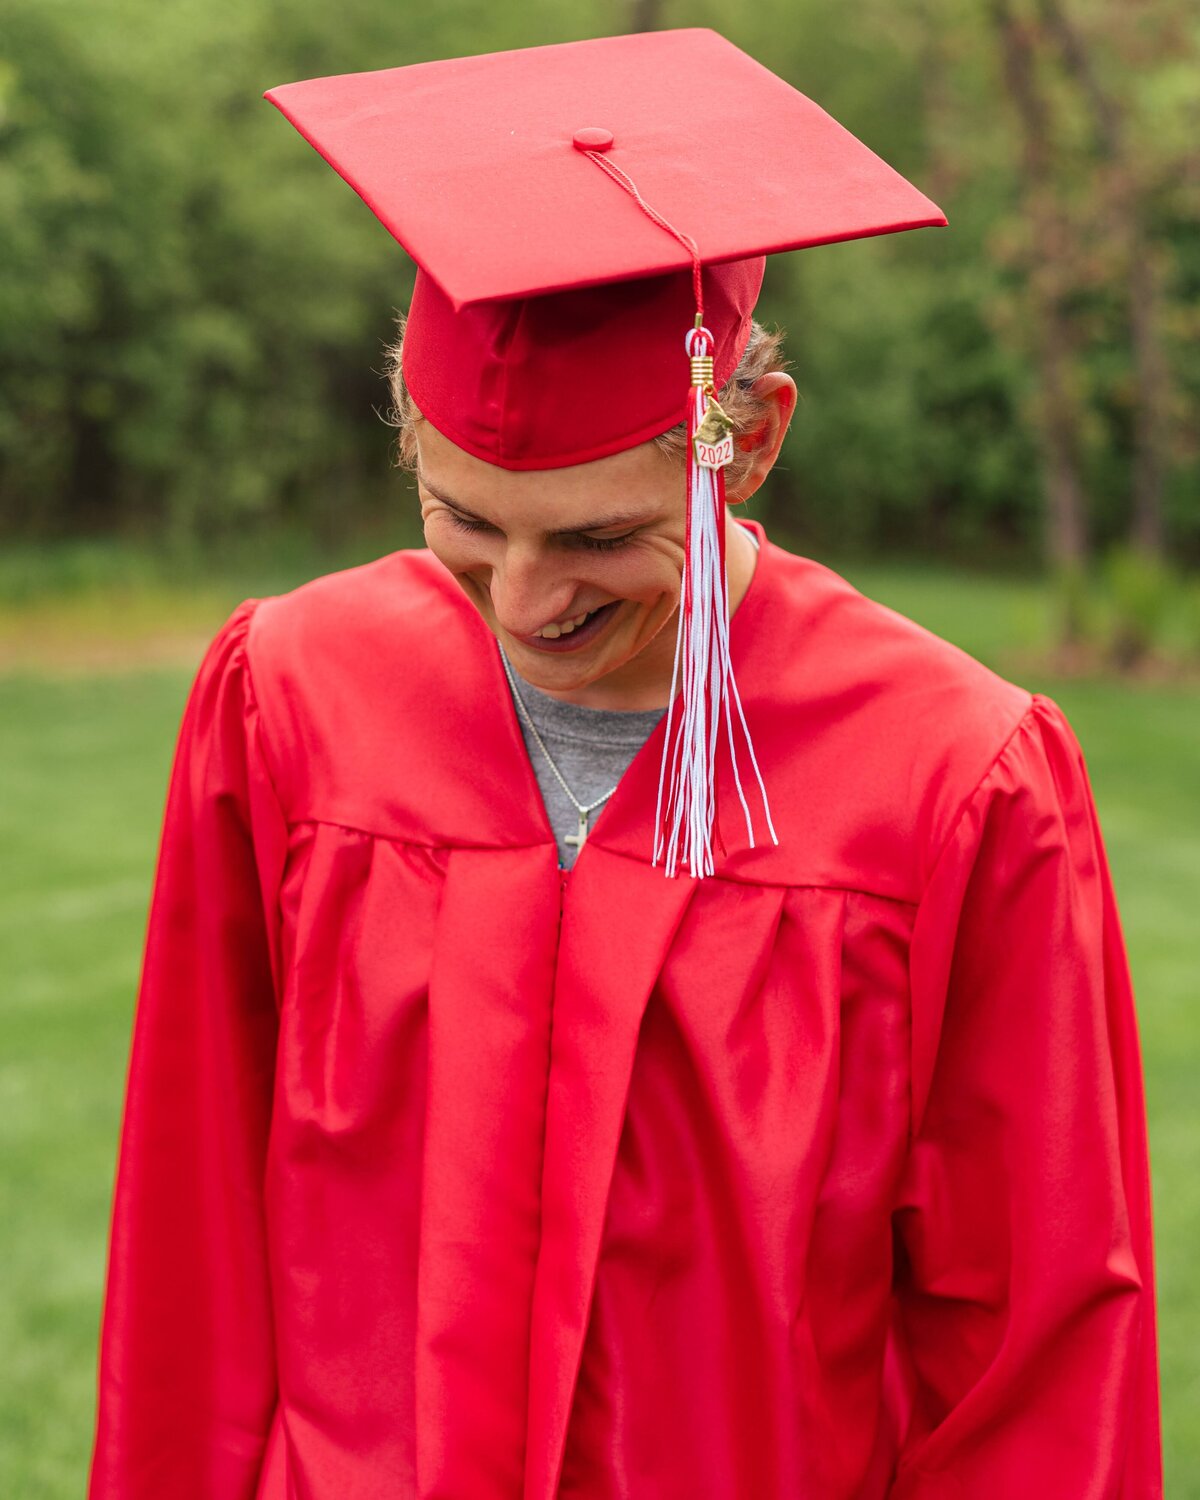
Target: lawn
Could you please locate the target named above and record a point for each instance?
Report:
(83, 764)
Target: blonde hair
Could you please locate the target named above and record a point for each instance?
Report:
(763, 356)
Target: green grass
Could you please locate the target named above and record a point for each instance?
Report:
(83, 765)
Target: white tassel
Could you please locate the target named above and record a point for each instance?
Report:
(685, 815)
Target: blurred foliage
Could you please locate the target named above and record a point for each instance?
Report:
(193, 306)
(1142, 588)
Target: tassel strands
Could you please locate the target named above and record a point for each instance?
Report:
(686, 814)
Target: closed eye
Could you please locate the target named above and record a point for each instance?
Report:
(602, 543)
(464, 524)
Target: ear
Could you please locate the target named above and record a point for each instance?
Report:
(777, 392)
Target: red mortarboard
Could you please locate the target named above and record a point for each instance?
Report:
(579, 214)
(471, 164)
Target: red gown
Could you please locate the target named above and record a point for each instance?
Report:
(444, 1175)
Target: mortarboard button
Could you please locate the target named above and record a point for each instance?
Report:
(592, 139)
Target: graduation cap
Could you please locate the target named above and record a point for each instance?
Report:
(589, 223)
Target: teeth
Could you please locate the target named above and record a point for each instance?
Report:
(564, 627)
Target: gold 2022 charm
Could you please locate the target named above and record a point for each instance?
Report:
(713, 442)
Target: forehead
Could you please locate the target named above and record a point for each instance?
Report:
(641, 480)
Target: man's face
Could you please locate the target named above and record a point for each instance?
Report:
(576, 571)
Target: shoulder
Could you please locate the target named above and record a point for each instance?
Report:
(350, 674)
(358, 626)
(886, 728)
(883, 659)
(341, 614)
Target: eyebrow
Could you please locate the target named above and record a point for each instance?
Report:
(601, 523)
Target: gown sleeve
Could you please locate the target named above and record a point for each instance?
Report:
(187, 1380)
(1023, 1273)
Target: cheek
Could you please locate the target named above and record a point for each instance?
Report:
(644, 574)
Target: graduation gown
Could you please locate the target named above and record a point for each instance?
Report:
(446, 1175)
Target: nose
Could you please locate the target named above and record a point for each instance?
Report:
(526, 591)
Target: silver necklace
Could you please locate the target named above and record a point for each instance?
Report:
(576, 840)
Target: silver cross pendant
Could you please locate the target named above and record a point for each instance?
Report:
(577, 840)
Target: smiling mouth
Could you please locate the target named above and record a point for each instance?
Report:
(573, 633)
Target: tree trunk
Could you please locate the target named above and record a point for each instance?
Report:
(1059, 421)
(1125, 214)
(1150, 435)
(645, 15)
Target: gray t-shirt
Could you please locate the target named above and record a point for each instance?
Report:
(592, 748)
